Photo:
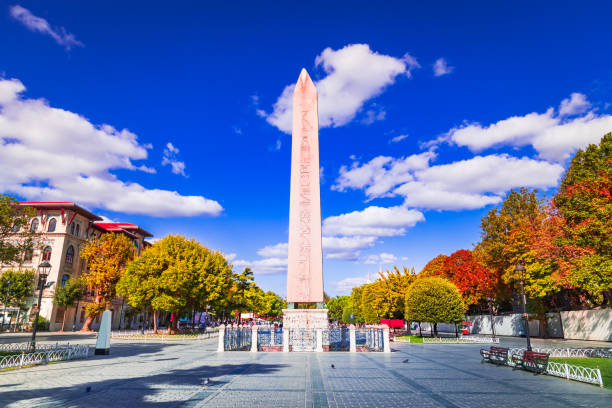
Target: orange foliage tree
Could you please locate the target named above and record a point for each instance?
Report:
(106, 259)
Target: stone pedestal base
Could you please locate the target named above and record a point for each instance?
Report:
(303, 329)
(305, 319)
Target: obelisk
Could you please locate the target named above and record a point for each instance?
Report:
(305, 268)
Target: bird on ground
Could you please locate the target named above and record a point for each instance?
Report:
(206, 381)
(405, 361)
(333, 366)
(87, 389)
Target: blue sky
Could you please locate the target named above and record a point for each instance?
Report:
(173, 116)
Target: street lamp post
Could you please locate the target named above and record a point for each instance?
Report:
(42, 281)
(490, 300)
(521, 271)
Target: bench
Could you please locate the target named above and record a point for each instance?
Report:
(532, 361)
(495, 355)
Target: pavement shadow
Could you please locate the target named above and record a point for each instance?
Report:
(139, 391)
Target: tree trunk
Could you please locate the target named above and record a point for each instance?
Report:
(154, 321)
(64, 319)
(435, 330)
(90, 319)
(420, 330)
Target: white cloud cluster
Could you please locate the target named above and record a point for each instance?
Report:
(354, 75)
(381, 174)
(382, 258)
(465, 184)
(345, 285)
(53, 154)
(170, 158)
(553, 135)
(441, 67)
(38, 24)
(397, 139)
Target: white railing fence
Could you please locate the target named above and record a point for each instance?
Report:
(461, 340)
(44, 356)
(568, 371)
(10, 347)
(150, 336)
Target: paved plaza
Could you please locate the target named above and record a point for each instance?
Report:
(173, 374)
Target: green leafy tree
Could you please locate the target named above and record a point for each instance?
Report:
(356, 304)
(348, 315)
(65, 296)
(434, 300)
(16, 286)
(15, 235)
(336, 307)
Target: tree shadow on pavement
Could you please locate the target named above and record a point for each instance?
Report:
(168, 389)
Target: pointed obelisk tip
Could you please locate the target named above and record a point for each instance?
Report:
(304, 77)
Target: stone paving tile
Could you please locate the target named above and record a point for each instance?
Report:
(171, 375)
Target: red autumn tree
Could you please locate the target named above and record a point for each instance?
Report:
(475, 282)
(435, 267)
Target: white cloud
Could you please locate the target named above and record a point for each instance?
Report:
(38, 24)
(345, 285)
(441, 67)
(554, 137)
(398, 138)
(170, 157)
(381, 174)
(230, 257)
(465, 184)
(382, 258)
(354, 75)
(372, 221)
(347, 248)
(577, 103)
(274, 251)
(267, 266)
(52, 154)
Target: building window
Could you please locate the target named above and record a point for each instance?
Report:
(52, 224)
(29, 253)
(46, 254)
(34, 225)
(64, 280)
(136, 243)
(78, 230)
(16, 227)
(72, 228)
(69, 254)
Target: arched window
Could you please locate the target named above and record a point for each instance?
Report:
(28, 255)
(52, 224)
(78, 230)
(16, 227)
(136, 243)
(34, 225)
(69, 254)
(46, 254)
(65, 279)
(72, 228)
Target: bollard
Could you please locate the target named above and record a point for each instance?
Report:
(221, 346)
(386, 346)
(254, 339)
(285, 340)
(352, 339)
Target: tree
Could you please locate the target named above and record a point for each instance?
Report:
(395, 285)
(356, 304)
(584, 201)
(336, 307)
(500, 248)
(15, 236)
(21, 287)
(106, 258)
(177, 275)
(434, 300)
(475, 282)
(435, 267)
(66, 295)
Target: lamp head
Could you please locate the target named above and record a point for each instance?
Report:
(521, 270)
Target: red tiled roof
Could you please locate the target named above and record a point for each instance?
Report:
(122, 226)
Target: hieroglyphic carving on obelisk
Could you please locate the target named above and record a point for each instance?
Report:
(305, 269)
